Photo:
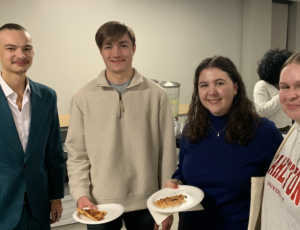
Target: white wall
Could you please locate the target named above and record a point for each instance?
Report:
(294, 28)
(280, 14)
(257, 22)
(173, 37)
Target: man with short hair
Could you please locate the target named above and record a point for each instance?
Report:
(120, 142)
(31, 155)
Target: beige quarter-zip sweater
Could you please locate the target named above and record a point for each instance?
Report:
(121, 148)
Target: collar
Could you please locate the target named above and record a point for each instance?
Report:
(297, 126)
(218, 122)
(8, 91)
(136, 79)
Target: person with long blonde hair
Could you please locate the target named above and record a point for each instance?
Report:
(281, 198)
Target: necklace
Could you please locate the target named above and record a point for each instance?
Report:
(218, 132)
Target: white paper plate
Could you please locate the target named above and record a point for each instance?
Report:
(194, 197)
(113, 212)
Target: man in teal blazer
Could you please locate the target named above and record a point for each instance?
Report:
(31, 155)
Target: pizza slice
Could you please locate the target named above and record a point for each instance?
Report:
(170, 201)
(95, 215)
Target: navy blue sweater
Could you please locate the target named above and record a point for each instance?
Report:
(224, 172)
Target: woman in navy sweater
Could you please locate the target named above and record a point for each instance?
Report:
(224, 144)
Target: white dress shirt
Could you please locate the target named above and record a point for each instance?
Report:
(22, 118)
(266, 100)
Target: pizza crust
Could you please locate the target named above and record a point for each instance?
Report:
(95, 215)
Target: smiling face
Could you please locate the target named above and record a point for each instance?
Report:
(118, 55)
(16, 51)
(216, 90)
(289, 94)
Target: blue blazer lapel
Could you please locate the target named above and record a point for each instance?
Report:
(7, 123)
(39, 111)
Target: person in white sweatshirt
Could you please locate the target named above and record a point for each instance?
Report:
(281, 198)
(266, 91)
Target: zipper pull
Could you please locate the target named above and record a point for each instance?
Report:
(121, 107)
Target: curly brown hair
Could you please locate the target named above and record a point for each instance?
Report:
(242, 117)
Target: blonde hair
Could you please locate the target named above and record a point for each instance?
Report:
(295, 58)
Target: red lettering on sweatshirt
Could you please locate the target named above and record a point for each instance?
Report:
(276, 190)
(281, 177)
(296, 195)
(291, 169)
(279, 169)
(293, 182)
(275, 164)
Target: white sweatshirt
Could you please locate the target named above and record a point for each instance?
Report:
(281, 199)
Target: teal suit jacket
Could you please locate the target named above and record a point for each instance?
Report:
(41, 169)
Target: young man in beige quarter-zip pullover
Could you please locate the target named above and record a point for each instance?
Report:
(121, 145)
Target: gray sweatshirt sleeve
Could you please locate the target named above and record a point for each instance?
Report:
(167, 148)
(78, 163)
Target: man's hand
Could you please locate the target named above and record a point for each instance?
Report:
(84, 202)
(171, 184)
(166, 224)
(56, 210)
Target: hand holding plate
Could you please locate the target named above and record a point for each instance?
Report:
(166, 224)
(172, 183)
(84, 202)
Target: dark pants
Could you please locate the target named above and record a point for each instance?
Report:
(211, 225)
(27, 222)
(136, 220)
(182, 224)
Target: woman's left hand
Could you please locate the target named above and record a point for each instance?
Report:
(172, 183)
(166, 224)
